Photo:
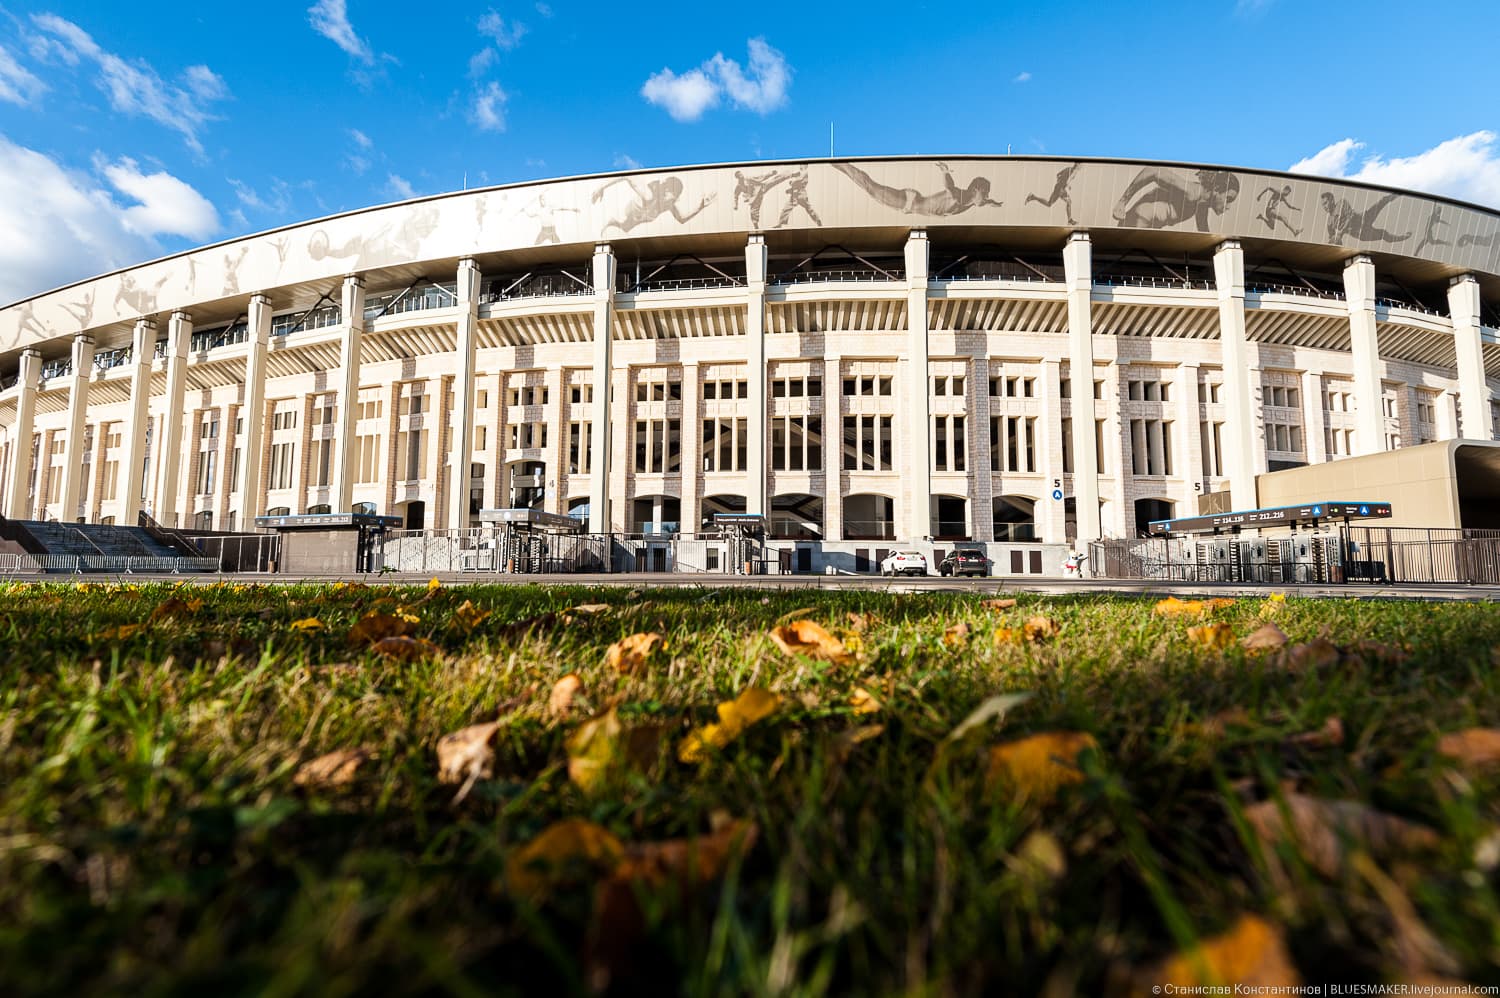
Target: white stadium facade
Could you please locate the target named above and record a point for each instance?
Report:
(871, 353)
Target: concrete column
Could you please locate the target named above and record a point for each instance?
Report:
(692, 445)
(1078, 270)
(21, 432)
(1359, 292)
(131, 487)
(1051, 515)
(755, 332)
(600, 432)
(341, 496)
(833, 451)
(78, 407)
(461, 454)
(1239, 423)
(44, 496)
(1188, 461)
(179, 333)
(1473, 390)
(977, 447)
(917, 419)
(1446, 423)
(553, 499)
(1314, 423)
(250, 500)
(94, 499)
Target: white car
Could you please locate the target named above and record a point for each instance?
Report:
(904, 563)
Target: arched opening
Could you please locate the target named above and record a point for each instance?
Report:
(718, 504)
(797, 517)
(948, 518)
(1015, 518)
(203, 520)
(321, 507)
(365, 508)
(580, 508)
(278, 511)
(869, 517)
(415, 513)
(528, 484)
(657, 515)
(1147, 510)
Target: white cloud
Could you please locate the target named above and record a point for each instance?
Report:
(1021, 77)
(686, 96)
(134, 87)
(330, 18)
(481, 61)
(17, 84)
(1466, 167)
(493, 26)
(625, 161)
(63, 225)
(399, 186)
(489, 108)
(544, 9)
(360, 138)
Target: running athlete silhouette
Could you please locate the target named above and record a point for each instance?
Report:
(1274, 200)
(1060, 192)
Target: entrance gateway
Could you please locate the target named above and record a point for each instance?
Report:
(1302, 515)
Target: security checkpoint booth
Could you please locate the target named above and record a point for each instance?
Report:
(329, 543)
(529, 541)
(745, 537)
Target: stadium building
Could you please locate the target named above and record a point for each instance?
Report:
(870, 353)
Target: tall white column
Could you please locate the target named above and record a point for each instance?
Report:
(1314, 422)
(1050, 515)
(692, 445)
(21, 432)
(1078, 272)
(1473, 390)
(1188, 460)
(1239, 424)
(462, 453)
(130, 488)
(600, 432)
(977, 450)
(169, 446)
(350, 351)
(1359, 292)
(250, 500)
(755, 332)
(833, 449)
(78, 409)
(917, 419)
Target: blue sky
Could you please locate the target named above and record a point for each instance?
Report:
(132, 130)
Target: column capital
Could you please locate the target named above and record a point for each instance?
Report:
(145, 323)
(1227, 245)
(31, 353)
(603, 248)
(917, 234)
(354, 280)
(755, 239)
(1358, 260)
(1079, 237)
(83, 338)
(179, 317)
(1462, 279)
(260, 298)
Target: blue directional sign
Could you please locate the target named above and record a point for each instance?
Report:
(1057, 493)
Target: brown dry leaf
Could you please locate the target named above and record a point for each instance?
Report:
(1218, 724)
(1217, 636)
(1416, 950)
(1472, 748)
(468, 616)
(864, 702)
(997, 604)
(629, 654)
(573, 613)
(1007, 636)
(810, 638)
(122, 632)
(567, 851)
(335, 769)
(1038, 766)
(1377, 651)
(1040, 628)
(306, 625)
(1319, 653)
(1322, 827)
(173, 608)
(750, 707)
(844, 744)
(1330, 735)
(466, 755)
(1264, 638)
(404, 649)
(1040, 859)
(1253, 953)
(564, 691)
(602, 749)
(687, 861)
(375, 626)
(956, 636)
(860, 622)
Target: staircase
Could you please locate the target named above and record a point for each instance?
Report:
(99, 547)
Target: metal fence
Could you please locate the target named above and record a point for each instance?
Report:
(1410, 554)
(485, 549)
(19, 564)
(113, 564)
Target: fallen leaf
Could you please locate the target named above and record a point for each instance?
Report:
(335, 769)
(564, 691)
(307, 625)
(1253, 953)
(750, 707)
(1218, 724)
(466, 755)
(1416, 950)
(861, 622)
(1323, 828)
(864, 702)
(433, 585)
(696, 860)
(567, 851)
(1217, 636)
(792, 615)
(375, 626)
(1038, 766)
(992, 708)
(1039, 859)
(584, 610)
(122, 632)
(403, 649)
(1319, 653)
(1474, 748)
(173, 608)
(844, 744)
(602, 749)
(810, 638)
(1007, 636)
(1330, 735)
(1264, 638)
(1040, 628)
(629, 654)
(956, 635)
(468, 616)
(997, 604)
(1174, 607)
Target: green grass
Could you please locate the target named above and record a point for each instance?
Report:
(152, 840)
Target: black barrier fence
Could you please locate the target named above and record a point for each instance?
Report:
(1414, 555)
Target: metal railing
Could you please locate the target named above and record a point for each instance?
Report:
(998, 278)
(19, 564)
(1264, 288)
(112, 358)
(116, 564)
(57, 369)
(552, 285)
(1144, 281)
(296, 322)
(679, 284)
(415, 300)
(212, 339)
(1410, 306)
(869, 530)
(822, 276)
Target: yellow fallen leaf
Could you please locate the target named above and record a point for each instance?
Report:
(1216, 636)
(1324, 829)
(433, 585)
(630, 654)
(1039, 859)
(602, 749)
(307, 624)
(404, 649)
(860, 622)
(997, 604)
(466, 755)
(1253, 953)
(1474, 748)
(1007, 636)
(375, 625)
(173, 608)
(1174, 607)
(334, 769)
(810, 638)
(122, 632)
(567, 851)
(1040, 628)
(564, 691)
(845, 742)
(735, 716)
(956, 635)
(1264, 638)
(1038, 766)
(468, 616)
(863, 701)
(686, 861)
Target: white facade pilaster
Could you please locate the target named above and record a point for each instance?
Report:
(461, 449)
(1473, 389)
(131, 488)
(1239, 425)
(601, 433)
(1050, 515)
(169, 446)
(21, 431)
(1189, 437)
(1314, 420)
(250, 499)
(352, 302)
(1078, 272)
(692, 447)
(1364, 346)
(755, 332)
(833, 450)
(917, 419)
(78, 406)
